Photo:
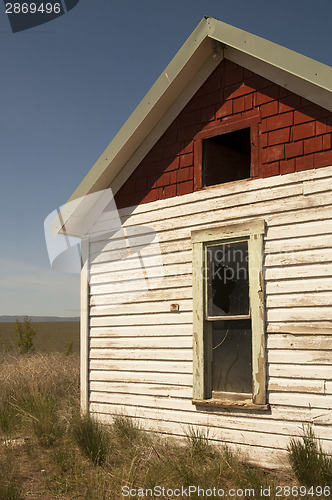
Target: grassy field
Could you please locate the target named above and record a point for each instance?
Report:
(50, 336)
(48, 450)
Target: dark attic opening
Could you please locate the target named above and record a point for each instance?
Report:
(226, 157)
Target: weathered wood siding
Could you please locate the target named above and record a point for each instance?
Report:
(293, 134)
(140, 356)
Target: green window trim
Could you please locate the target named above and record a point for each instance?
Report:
(252, 232)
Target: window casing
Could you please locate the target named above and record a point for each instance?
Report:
(226, 157)
(229, 336)
(227, 152)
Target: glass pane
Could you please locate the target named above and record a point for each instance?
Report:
(231, 356)
(228, 279)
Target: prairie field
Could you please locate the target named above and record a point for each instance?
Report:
(50, 336)
(48, 450)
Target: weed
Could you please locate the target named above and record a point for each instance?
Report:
(198, 441)
(9, 487)
(47, 374)
(41, 411)
(91, 437)
(34, 391)
(39, 396)
(69, 349)
(9, 490)
(128, 430)
(8, 421)
(310, 464)
(25, 333)
(64, 457)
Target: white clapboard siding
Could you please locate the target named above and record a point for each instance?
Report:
(301, 399)
(299, 299)
(300, 229)
(142, 363)
(286, 341)
(296, 385)
(146, 330)
(137, 272)
(301, 328)
(312, 213)
(282, 245)
(177, 411)
(140, 359)
(304, 271)
(182, 257)
(322, 174)
(305, 371)
(322, 313)
(190, 206)
(214, 420)
(152, 295)
(278, 459)
(168, 390)
(261, 436)
(316, 186)
(166, 248)
(110, 352)
(298, 399)
(150, 377)
(139, 285)
(146, 319)
(297, 356)
(295, 285)
(192, 214)
(169, 342)
(277, 456)
(185, 224)
(227, 201)
(322, 255)
(139, 308)
(291, 417)
(253, 438)
(139, 354)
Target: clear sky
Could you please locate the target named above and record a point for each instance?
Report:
(68, 86)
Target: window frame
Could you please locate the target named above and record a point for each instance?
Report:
(232, 125)
(253, 232)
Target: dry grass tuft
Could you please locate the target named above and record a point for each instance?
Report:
(32, 388)
(58, 454)
(310, 464)
(39, 373)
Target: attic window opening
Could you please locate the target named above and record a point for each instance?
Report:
(226, 157)
(227, 152)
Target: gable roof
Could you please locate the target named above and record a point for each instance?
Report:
(209, 43)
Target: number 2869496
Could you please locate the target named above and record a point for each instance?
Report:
(33, 8)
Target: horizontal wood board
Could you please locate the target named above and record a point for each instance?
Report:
(140, 356)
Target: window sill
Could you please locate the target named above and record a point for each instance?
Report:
(230, 405)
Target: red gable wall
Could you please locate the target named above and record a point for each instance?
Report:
(294, 134)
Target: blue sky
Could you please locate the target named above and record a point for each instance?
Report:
(68, 86)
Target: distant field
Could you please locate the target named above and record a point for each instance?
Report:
(50, 336)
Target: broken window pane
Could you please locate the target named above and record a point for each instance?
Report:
(227, 279)
(231, 356)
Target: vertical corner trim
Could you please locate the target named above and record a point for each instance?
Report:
(84, 330)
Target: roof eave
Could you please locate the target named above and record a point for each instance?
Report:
(271, 53)
(170, 83)
(308, 78)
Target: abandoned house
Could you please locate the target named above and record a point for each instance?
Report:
(211, 305)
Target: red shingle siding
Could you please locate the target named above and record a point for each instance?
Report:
(294, 134)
